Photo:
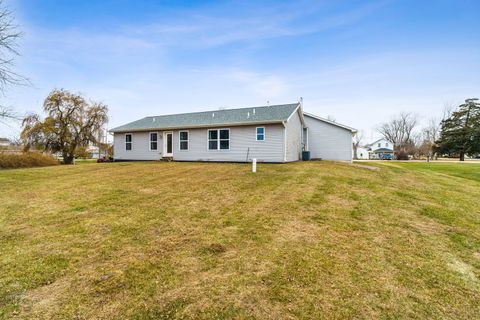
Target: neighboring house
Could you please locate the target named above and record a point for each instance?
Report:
(93, 151)
(380, 149)
(4, 142)
(275, 133)
(363, 153)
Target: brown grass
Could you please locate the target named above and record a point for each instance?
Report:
(214, 241)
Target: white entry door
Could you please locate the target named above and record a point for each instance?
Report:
(168, 144)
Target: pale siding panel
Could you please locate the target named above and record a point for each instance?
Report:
(327, 141)
(241, 139)
(140, 147)
(294, 129)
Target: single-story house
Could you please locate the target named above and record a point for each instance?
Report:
(276, 133)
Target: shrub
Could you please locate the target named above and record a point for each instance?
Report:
(402, 155)
(25, 160)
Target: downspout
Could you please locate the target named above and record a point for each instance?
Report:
(284, 141)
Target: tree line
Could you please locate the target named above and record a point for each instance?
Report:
(456, 135)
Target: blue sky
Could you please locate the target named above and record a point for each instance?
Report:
(357, 61)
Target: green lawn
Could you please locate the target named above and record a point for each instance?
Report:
(214, 241)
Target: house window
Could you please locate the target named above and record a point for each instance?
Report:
(260, 133)
(128, 142)
(379, 145)
(219, 139)
(183, 136)
(386, 144)
(153, 141)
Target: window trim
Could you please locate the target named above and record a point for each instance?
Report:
(180, 140)
(264, 134)
(150, 141)
(218, 139)
(125, 141)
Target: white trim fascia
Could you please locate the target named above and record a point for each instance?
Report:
(294, 111)
(305, 131)
(330, 122)
(213, 126)
(284, 142)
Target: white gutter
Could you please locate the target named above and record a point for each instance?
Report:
(284, 141)
(331, 122)
(236, 124)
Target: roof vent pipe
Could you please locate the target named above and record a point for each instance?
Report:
(253, 111)
(248, 114)
(213, 115)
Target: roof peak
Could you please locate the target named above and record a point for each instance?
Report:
(226, 109)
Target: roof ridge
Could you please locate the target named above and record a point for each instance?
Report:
(229, 109)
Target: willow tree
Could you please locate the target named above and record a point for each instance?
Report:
(71, 122)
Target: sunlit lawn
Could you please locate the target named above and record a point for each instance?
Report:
(214, 241)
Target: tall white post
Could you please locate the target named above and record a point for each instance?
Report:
(254, 165)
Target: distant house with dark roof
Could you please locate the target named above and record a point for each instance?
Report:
(380, 149)
(277, 133)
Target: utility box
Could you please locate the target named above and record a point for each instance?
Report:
(305, 155)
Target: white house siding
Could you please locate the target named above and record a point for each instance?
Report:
(328, 141)
(294, 130)
(140, 147)
(362, 153)
(242, 142)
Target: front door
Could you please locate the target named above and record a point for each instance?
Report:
(168, 144)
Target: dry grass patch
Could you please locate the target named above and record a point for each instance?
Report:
(214, 241)
(25, 160)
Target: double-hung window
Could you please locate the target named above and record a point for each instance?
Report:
(219, 139)
(183, 136)
(128, 141)
(153, 141)
(260, 131)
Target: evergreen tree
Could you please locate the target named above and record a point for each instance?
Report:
(460, 133)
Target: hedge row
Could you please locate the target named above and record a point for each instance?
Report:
(25, 160)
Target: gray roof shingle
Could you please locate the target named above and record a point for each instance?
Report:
(262, 114)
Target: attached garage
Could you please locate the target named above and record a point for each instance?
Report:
(327, 140)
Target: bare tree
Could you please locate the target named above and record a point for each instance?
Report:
(400, 130)
(448, 108)
(9, 36)
(431, 134)
(357, 141)
(8, 113)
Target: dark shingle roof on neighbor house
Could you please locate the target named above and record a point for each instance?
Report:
(383, 150)
(242, 116)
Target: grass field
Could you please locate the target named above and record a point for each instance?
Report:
(214, 241)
